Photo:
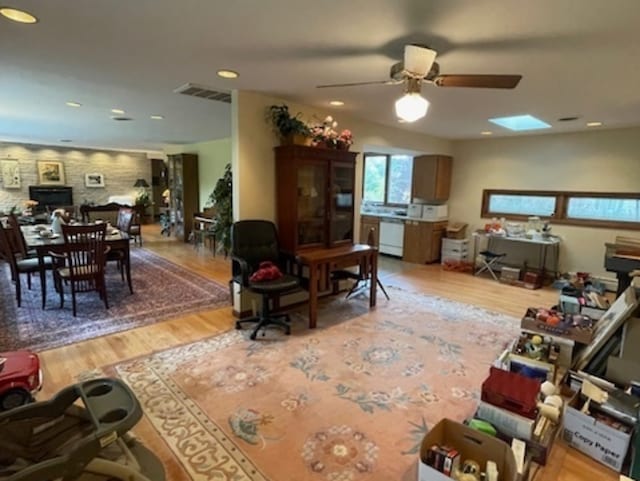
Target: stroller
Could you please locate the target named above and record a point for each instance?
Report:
(80, 433)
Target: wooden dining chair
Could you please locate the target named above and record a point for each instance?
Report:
(84, 253)
(13, 222)
(124, 221)
(13, 253)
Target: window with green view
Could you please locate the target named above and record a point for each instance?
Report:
(387, 178)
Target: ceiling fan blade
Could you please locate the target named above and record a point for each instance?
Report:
(479, 81)
(356, 84)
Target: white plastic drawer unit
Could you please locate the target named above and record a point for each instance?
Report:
(391, 237)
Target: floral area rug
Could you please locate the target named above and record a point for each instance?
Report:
(348, 401)
(161, 288)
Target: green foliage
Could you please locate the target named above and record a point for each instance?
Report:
(143, 199)
(222, 200)
(283, 123)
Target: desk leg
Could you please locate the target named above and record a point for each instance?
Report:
(313, 295)
(373, 288)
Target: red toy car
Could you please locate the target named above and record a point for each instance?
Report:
(20, 378)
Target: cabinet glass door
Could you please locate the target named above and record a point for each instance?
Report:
(312, 194)
(342, 193)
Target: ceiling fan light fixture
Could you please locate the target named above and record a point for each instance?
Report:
(411, 107)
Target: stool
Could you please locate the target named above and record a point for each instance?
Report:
(489, 259)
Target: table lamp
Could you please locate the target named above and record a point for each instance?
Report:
(143, 197)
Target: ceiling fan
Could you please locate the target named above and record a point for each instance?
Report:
(418, 67)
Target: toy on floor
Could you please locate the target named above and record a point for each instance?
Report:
(20, 378)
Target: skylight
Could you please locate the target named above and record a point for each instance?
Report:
(520, 122)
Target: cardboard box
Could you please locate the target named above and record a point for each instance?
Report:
(578, 334)
(472, 445)
(596, 439)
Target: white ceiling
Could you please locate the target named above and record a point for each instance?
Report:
(577, 57)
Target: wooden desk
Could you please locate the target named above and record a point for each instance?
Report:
(119, 240)
(321, 262)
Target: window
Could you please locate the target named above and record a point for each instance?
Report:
(606, 209)
(522, 204)
(387, 178)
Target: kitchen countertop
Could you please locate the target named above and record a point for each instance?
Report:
(384, 215)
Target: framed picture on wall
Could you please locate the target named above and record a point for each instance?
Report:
(10, 174)
(50, 172)
(94, 180)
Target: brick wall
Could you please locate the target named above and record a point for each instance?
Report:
(120, 171)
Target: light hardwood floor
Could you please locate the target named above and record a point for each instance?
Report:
(61, 366)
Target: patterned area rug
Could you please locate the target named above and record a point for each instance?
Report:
(348, 401)
(162, 290)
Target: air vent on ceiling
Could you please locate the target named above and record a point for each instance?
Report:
(201, 91)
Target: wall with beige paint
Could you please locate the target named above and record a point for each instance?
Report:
(253, 142)
(120, 170)
(603, 160)
(213, 156)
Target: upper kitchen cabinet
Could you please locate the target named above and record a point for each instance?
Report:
(315, 193)
(431, 177)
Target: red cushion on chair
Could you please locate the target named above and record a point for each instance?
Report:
(268, 271)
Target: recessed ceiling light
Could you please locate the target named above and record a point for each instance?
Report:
(74, 104)
(117, 111)
(16, 15)
(121, 119)
(336, 103)
(228, 74)
(156, 117)
(594, 124)
(66, 140)
(486, 132)
(520, 122)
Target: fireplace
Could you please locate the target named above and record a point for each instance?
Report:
(50, 197)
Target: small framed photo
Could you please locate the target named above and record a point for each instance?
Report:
(94, 180)
(10, 174)
(50, 172)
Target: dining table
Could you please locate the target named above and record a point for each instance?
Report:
(115, 239)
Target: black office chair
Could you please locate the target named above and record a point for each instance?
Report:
(253, 242)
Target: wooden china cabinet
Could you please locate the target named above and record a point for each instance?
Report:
(315, 197)
(184, 194)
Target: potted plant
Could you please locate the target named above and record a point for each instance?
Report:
(222, 201)
(290, 129)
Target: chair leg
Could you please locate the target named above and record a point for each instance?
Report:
(18, 291)
(61, 291)
(103, 288)
(29, 280)
(383, 289)
(73, 297)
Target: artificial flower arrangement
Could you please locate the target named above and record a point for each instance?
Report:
(325, 134)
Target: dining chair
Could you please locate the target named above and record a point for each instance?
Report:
(83, 251)
(123, 223)
(13, 222)
(12, 252)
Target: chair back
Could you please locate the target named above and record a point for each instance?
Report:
(9, 247)
(18, 235)
(255, 241)
(125, 219)
(84, 248)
